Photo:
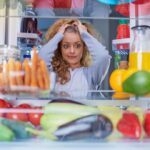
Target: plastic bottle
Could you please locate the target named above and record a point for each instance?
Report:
(123, 31)
(28, 25)
(122, 49)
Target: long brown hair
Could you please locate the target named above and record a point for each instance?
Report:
(60, 66)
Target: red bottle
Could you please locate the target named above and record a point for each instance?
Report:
(123, 31)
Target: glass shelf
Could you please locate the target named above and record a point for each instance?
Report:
(90, 9)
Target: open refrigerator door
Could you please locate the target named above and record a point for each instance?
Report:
(33, 116)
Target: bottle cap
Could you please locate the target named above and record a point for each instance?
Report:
(123, 21)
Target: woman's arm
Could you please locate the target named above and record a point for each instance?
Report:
(100, 58)
(47, 51)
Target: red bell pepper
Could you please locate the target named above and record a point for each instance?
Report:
(147, 123)
(129, 125)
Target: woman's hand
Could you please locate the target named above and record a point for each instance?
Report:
(62, 28)
(80, 26)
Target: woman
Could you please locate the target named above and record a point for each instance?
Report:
(69, 50)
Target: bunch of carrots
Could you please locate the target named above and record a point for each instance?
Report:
(28, 75)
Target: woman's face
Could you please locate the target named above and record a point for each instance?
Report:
(72, 49)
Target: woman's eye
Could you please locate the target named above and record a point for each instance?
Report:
(78, 45)
(65, 46)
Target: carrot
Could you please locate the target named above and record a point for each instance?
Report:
(12, 69)
(6, 73)
(35, 58)
(19, 75)
(34, 67)
(1, 81)
(45, 74)
(27, 72)
(40, 79)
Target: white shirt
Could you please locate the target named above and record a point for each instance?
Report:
(77, 85)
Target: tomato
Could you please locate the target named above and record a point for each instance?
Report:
(24, 105)
(20, 116)
(4, 104)
(34, 118)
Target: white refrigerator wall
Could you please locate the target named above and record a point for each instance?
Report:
(14, 21)
(2, 21)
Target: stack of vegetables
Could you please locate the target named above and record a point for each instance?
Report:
(64, 119)
(28, 76)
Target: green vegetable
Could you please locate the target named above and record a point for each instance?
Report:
(18, 127)
(42, 133)
(52, 121)
(69, 108)
(59, 113)
(6, 134)
(138, 83)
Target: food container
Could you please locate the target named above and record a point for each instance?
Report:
(70, 120)
(30, 76)
(6, 53)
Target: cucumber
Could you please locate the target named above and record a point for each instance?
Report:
(6, 134)
(18, 127)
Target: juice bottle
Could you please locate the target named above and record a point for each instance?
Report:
(139, 56)
(140, 60)
(123, 31)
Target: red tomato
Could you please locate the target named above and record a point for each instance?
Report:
(34, 118)
(4, 104)
(17, 116)
(24, 105)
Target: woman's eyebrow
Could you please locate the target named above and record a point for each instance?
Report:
(71, 42)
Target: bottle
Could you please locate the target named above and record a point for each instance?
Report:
(28, 25)
(122, 49)
(8, 56)
(29, 11)
(140, 48)
(123, 31)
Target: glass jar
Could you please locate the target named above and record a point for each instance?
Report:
(8, 54)
(139, 56)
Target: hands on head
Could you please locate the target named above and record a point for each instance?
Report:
(80, 26)
(76, 23)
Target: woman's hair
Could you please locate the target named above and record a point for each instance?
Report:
(60, 66)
